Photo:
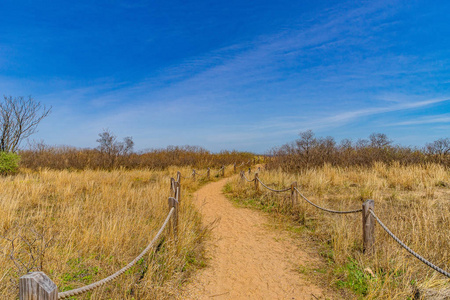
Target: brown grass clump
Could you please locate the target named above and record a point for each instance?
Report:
(413, 201)
(80, 227)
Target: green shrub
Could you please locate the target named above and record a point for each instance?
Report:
(9, 163)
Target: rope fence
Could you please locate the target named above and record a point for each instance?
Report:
(428, 263)
(38, 286)
(197, 173)
(327, 209)
(368, 219)
(248, 180)
(99, 283)
(271, 189)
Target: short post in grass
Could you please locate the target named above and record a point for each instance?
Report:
(173, 227)
(207, 173)
(223, 171)
(178, 176)
(249, 171)
(38, 286)
(368, 222)
(256, 182)
(294, 198)
(178, 191)
(172, 187)
(234, 168)
(193, 174)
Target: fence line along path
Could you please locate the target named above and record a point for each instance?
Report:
(246, 258)
(38, 286)
(369, 218)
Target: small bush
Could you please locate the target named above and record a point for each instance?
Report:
(9, 163)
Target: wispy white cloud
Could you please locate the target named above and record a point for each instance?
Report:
(309, 75)
(434, 119)
(292, 124)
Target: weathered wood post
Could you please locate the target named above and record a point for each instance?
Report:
(256, 182)
(294, 196)
(178, 176)
(178, 191)
(207, 173)
(368, 227)
(242, 177)
(223, 171)
(249, 171)
(193, 174)
(234, 168)
(173, 227)
(172, 187)
(37, 286)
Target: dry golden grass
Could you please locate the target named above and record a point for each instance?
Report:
(413, 201)
(81, 227)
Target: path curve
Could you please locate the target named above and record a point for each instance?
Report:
(247, 260)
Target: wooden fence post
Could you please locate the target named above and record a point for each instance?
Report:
(207, 173)
(256, 182)
(368, 227)
(249, 171)
(178, 192)
(234, 168)
(173, 229)
(172, 187)
(193, 174)
(294, 193)
(242, 176)
(37, 286)
(178, 176)
(223, 171)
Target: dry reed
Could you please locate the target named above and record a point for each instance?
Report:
(413, 201)
(79, 227)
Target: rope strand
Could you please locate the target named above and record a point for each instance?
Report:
(99, 283)
(431, 265)
(273, 190)
(329, 210)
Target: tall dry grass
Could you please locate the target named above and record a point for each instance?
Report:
(413, 201)
(80, 227)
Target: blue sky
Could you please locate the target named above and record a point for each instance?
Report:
(244, 75)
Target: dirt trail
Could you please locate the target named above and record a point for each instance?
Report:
(248, 260)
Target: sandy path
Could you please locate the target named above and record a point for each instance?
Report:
(247, 259)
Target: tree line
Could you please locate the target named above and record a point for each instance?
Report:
(311, 151)
(19, 118)
(120, 155)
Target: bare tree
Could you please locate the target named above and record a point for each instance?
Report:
(19, 118)
(439, 147)
(379, 140)
(306, 145)
(113, 148)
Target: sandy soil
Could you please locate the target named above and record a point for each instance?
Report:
(247, 258)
